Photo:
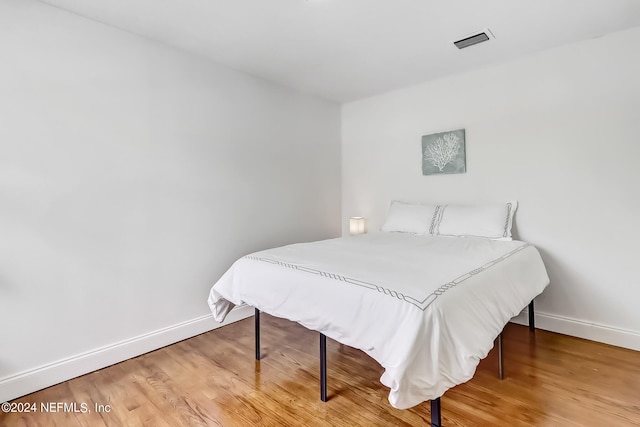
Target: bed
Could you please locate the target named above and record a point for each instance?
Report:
(427, 307)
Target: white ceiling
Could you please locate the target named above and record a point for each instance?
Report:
(349, 49)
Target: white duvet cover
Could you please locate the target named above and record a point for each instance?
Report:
(427, 308)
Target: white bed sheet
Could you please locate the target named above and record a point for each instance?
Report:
(427, 308)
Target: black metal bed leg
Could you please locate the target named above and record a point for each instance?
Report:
(257, 324)
(436, 417)
(323, 367)
(532, 318)
(500, 358)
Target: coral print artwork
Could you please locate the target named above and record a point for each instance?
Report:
(443, 153)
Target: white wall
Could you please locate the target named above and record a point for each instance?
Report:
(558, 131)
(131, 177)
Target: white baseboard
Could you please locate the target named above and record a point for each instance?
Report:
(56, 372)
(582, 329)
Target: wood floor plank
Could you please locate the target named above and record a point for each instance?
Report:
(214, 380)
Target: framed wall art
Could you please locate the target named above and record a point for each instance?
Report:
(444, 153)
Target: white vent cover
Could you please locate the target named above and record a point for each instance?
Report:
(474, 38)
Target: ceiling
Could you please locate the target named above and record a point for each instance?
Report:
(345, 50)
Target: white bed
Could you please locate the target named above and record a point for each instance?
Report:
(427, 308)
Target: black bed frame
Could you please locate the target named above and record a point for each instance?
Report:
(436, 416)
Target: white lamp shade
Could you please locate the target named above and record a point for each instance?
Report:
(357, 225)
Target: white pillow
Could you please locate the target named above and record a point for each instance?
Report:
(493, 221)
(408, 218)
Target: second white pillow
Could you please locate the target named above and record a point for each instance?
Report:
(493, 221)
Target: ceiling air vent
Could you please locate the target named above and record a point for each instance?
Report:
(473, 39)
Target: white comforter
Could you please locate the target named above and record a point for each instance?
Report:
(426, 308)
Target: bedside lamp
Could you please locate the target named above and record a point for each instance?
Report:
(357, 225)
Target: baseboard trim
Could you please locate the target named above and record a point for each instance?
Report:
(56, 372)
(582, 329)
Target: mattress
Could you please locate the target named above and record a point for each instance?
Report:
(427, 308)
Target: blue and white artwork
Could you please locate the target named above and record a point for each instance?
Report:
(443, 153)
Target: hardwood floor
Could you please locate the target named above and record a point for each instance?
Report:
(214, 380)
